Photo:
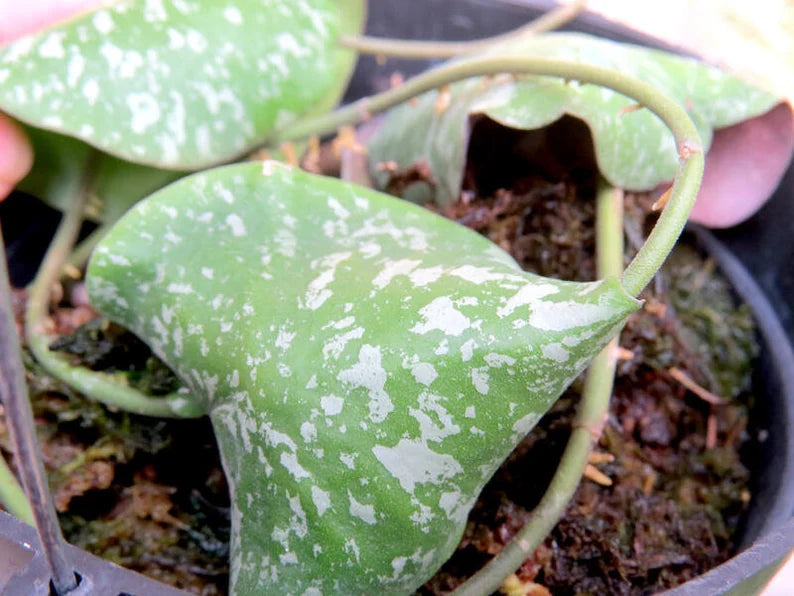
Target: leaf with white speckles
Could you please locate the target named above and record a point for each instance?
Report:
(634, 150)
(181, 84)
(367, 364)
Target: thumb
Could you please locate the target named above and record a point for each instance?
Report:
(18, 19)
(16, 155)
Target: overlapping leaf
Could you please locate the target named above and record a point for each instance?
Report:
(634, 150)
(115, 186)
(180, 84)
(367, 364)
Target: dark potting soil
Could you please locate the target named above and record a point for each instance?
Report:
(665, 507)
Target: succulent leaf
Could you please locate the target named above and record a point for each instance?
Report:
(181, 84)
(634, 149)
(367, 364)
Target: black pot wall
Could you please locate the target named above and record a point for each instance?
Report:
(763, 244)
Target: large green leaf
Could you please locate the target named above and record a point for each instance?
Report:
(634, 150)
(181, 84)
(367, 364)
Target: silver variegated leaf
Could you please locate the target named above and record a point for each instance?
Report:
(367, 364)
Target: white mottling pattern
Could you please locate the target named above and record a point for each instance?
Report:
(91, 91)
(335, 346)
(529, 294)
(180, 288)
(368, 373)
(331, 404)
(236, 224)
(75, 69)
(555, 352)
(233, 15)
(498, 360)
(392, 269)
(349, 459)
(290, 462)
(480, 379)
(442, 315)
(567, 315)
(321, 499)
(145, 111)
(365, 513)
(424, 373)
(412, 462)
(308, 432)
(478, 275)
(103, 22)
(318, 291)
(52, 46)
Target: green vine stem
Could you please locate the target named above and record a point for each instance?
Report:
(12, 497)
(111, 390)
(687, 180)
(80, 254)
(587, 426)
(400, 48)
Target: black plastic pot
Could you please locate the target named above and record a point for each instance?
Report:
(768, 532)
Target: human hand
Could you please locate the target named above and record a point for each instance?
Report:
(16, 20)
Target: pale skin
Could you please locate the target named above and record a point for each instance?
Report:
(715, 206)
(18, 19)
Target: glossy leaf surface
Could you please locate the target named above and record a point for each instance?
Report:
(181, 84)
(634, 149)
(367, 365)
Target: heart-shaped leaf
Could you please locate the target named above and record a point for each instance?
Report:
(181, 84)
(634, 149)
(367, 364)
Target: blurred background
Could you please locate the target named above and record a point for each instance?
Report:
(753, 38)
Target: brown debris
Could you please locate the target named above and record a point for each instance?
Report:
(513, 586)
(624, 354)
(443, 100)
(94, 475)
(599, 457)
(704, 394)
(660, 203)
(288, 149)
(596, 475)
(656, 308)
(634, 107)
(711, 431)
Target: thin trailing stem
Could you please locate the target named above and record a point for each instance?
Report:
(21, 428)
(688, 175)
(112, 390)
(587, 425)
(79, 256)
(400, 48)
(12, 497)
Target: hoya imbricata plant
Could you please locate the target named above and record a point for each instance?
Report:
(366, 364)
